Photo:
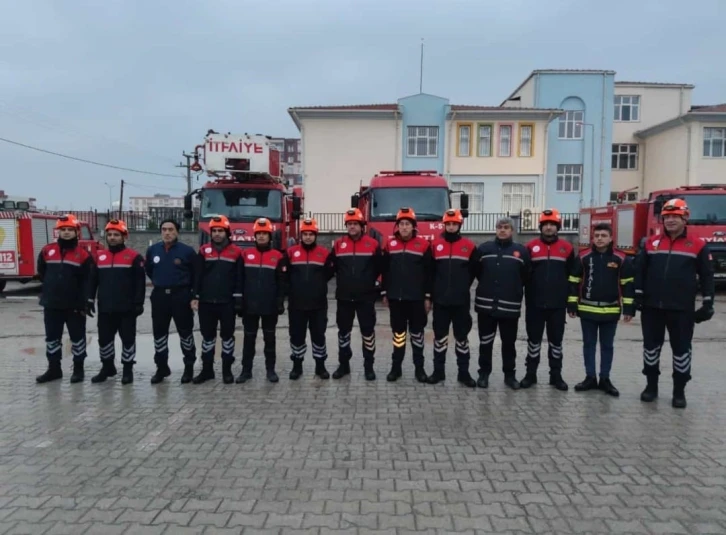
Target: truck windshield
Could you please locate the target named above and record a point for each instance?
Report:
(240, 204)
(706, 209)
(429, 204)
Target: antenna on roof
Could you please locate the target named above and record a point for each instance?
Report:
(420, 80)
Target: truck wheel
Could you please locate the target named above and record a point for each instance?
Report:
(2, 285)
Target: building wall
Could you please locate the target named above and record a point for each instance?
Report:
(592, 93)
(526, 95)
(666, 158)
(491, 190)
(340, 154)
(705, 170)
(423, 110)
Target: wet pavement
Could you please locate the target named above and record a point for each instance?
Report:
(352, 456)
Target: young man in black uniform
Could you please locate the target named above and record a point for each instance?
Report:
(503, 271)
(66, 271)
(310, 267)
(263, 299)
(406, 282)
(120, 286)
(170, 266)
(454, 266)
(357, 265)
(218, 275)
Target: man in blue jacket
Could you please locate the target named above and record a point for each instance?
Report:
(170, 266)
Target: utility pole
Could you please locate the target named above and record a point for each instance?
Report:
(189, 170)
(121, 201)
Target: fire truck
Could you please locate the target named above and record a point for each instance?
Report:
(634, 222)
(246, 184)
(427, 192)
(22, 236)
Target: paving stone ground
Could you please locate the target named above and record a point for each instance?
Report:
(352, 456)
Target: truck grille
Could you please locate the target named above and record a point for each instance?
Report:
(719, 262)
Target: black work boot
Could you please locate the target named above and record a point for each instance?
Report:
(227, 377)
(607, 386)
(188, 374)
(651, 390)
(127, 376)
(162, 371)
(320, 370)
(368, 371)
(483, 381)
(297, 370)
(590, 383)
(78, 372)
(53, 372)
(466, 379)
(437, 377)
(272, 375)
(395, 373)
(108, 369)
(205, 374)
(679, 394)
(342, 371)
(245, 375)
(530, 379)
(420, 374)
(558, 382)
(511, 381)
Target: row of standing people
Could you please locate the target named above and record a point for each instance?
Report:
(222, 281)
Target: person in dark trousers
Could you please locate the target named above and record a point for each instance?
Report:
(546, 296)
(218, 280)
(502, 273)
(263, 299)
(170, 266)
(310, 267)
(669, 270)
(120, 289)
(357, 264)
(66, 271)
(406, 283)
(601, 289)
(454, 264)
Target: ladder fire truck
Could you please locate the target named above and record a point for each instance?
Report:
(246, 184)
(633, 222)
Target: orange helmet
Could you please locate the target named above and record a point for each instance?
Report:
(262, 225)
(309, 225)
(675, 207)
(453, 216)
(406, 213)
(68, 220)
(219, 221)
(117, 224)
(550, 216)
(354, 215)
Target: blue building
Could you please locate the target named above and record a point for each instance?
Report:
(423, 132)
(579, 142)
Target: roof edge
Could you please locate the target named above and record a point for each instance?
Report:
(555, 71)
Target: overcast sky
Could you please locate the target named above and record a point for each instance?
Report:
(134, 83)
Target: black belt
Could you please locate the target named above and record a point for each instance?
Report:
(172, 289)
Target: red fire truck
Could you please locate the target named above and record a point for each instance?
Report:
(427, 192)
(246, 184)
(633, 222)
(22, 235)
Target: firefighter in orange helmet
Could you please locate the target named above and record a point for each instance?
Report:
(66, 271)
(120, 287)
(669, 270)
(310, 267)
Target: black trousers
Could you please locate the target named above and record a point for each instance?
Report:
(123, 323)
(251, 323)
(408, 316)
(299, 323)
(165, 306)
(458, 317)
(344, 316)
(507, 334)
(537, 319)
(212, 316)
(54, 320)
(679, 325)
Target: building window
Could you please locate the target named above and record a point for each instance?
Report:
(423, 141)
(714, 142)
(517, 197)
(484, 148)
(505, 140)
(627, 196)
(526, 140)
(625, 156)
(475, 190)
(571, 124)
(627, 108)
(463, 142)
(569, 178)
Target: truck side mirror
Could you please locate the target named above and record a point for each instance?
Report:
(354, 200)
(296, 207)
(464, 202)
(188, 206)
